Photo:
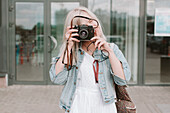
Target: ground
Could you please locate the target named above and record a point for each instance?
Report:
(45, 99)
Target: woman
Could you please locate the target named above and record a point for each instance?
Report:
(89, 84)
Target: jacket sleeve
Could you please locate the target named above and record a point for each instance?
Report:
(61, 77)
(126, 68)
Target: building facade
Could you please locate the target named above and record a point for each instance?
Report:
(141, 29)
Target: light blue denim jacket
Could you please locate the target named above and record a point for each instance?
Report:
(105, 77)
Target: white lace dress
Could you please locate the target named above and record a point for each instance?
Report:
(88, 98)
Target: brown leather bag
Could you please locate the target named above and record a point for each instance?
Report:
(124, 103)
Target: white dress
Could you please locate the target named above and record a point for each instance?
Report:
(87, 97)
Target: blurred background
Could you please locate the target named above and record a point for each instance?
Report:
(141, 29)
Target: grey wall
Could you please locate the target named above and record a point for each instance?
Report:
(0, 13)
(3, 36)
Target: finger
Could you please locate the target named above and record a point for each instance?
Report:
(94, 38)
(74, 39)
(72, 30)
(101, 44)
(97, 42)
(69, 27)
(69, 33)
(74, 34)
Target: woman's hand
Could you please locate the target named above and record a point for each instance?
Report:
(101, 44)
(70, 33)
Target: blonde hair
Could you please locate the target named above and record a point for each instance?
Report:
(77, 12)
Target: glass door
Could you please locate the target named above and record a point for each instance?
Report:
(29, 39)
(31, 23)
(157, 64)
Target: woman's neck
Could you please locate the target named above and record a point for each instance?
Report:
(90, 48)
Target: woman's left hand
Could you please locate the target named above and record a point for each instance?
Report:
(101, 43)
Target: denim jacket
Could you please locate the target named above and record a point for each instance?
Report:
(105, 77)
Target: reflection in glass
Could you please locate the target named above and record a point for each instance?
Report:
(157, 65)
(29, 38)
(58, 15)
(120, 20)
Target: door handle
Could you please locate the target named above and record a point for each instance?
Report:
(54, 43)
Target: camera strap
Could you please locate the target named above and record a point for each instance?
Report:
(69, 57)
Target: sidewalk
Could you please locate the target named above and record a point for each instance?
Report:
(45, 99)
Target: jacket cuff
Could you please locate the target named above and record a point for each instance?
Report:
(52, 70)
(55, 60)
(119, 81)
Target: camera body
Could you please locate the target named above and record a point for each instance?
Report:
(85, 32)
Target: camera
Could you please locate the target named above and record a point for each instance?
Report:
(85, 32)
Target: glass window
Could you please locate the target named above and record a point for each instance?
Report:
(120, 20)
(157, 65)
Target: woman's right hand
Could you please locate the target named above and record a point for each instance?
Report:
(71, 40)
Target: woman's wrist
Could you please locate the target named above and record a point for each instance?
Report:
(109, 49)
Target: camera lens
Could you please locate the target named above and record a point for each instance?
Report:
(83, 33)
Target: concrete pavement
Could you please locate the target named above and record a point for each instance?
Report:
(45, 99)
